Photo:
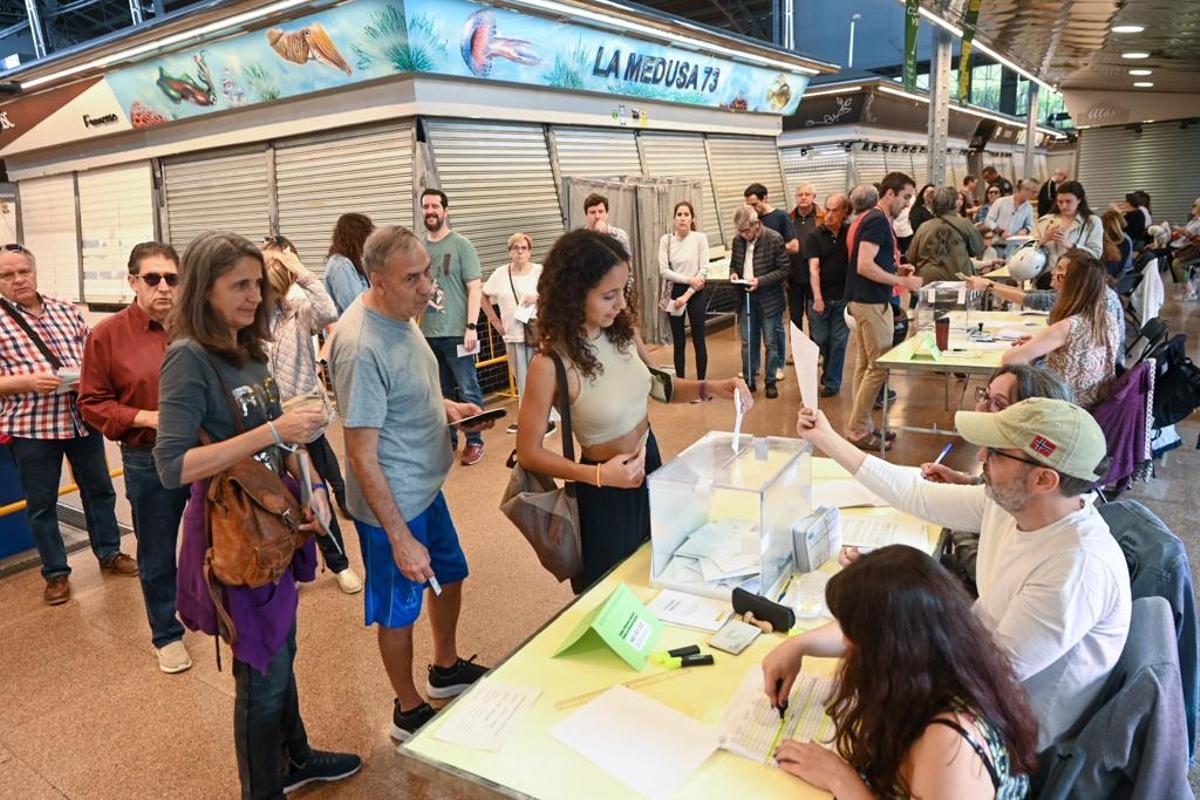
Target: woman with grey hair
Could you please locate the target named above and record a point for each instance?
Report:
(943, 248)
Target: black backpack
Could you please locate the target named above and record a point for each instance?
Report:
(1177, 385)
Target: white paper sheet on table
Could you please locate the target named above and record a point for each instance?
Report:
(524, 313)
(751, 728)
(644, 744)
(689, 610)
(805, 353)
(488, 716)
(845, 493)
(875, 532)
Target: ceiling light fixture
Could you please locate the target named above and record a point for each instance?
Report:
(1135, 55)
(822, 92)
(1143, 84)
(1141, 72)
(1128, 28)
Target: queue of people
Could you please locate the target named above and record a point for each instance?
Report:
(234, 382)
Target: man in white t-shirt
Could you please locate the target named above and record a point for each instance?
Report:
(1053, 585)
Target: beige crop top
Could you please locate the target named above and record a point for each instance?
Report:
(612, 403)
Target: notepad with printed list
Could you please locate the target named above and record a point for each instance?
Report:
(753, 729)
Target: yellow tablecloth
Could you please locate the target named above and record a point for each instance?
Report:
(534, 764)
(963, 355)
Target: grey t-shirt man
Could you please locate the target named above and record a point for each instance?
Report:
(454, 263)
(386, 377)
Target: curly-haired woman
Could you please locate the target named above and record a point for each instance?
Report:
(925, 703)
(585, 320)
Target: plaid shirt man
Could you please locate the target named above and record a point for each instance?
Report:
(42, 416)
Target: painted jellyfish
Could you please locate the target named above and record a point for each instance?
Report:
(480, 45)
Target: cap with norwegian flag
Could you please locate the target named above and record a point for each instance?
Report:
(1056, 433)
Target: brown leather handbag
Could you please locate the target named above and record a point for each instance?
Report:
(253, 524)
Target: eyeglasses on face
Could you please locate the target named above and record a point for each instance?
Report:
(13, 247)
(996, 403)
(995, 452)
(152, 279)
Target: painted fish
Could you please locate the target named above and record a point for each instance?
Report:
(310, 43)
(480, 45)
(198, 90)
(780, 93)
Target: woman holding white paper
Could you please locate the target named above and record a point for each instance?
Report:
(584, 320)
(513, 287)
(925, 703)
(683, 265)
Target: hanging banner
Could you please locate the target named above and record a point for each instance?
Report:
(964, 58)
(912, 23)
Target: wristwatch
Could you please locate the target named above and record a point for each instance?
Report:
(472, 326)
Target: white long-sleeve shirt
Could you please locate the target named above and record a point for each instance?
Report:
(1086, 233)
(1056, 599)
(680, 259)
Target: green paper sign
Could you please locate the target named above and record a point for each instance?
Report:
(912, 22)
(623, 624)
(927, 347)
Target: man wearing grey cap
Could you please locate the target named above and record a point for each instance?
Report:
(1053, 585)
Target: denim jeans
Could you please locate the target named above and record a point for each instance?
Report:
(765, 327)
(830, 334)
(460, 381)
(333, 546)
(156, 515)
(267, 728)
(40, 462)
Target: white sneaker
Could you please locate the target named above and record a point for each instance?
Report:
(350, 583)
(174, 658)
(778, 375)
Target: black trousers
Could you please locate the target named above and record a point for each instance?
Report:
(697, 307)
(326, 463)
(613, 522)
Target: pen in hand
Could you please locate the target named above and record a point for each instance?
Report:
(945, 452)
(783, 703)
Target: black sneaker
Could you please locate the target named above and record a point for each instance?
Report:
(772, 392)
(551, 427)
(404, 726)
(453, 681)
(891, 398)
(321, 766)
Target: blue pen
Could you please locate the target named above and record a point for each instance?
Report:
(945, 452)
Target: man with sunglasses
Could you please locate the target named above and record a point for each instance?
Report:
(1053, 585)
(119, 395)
(41, 350)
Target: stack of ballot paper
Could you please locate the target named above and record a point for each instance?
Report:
(725, 551)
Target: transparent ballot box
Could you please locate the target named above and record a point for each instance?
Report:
(943, 297)
(721, 519)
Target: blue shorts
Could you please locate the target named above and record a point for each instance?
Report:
(390, 599)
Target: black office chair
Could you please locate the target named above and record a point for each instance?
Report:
(1152, 334)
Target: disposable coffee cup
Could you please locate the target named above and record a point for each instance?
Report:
(941, 332)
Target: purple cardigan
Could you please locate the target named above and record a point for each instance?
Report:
(263, 616)
(1122, 417)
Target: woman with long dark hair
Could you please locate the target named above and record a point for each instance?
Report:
(922, 208)
(584, 319)
(1082, 339)
(215, 378)
(345, 278)
(925, 704)
(683, 264)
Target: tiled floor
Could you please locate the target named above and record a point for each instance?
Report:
(87, 714)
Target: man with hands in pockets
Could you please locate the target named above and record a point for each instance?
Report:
(385, 377)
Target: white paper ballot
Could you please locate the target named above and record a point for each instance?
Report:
(463, 351)
(846, 493)
(487, 717)
(524, 313)
(689, 610)
(874, 532)
(738, 414)
(644, 744)
(805, 353)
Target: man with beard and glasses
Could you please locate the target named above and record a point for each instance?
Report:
(453, 311)
(1053, 584)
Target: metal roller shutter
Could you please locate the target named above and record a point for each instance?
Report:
(317, 179)
(116, 212)
(47, 208)
(221, 191)
(869, 167)
(738, 161)
(596, 152)
(902, 162)
(681, 155)
(826, 169)
(920, 171)
(499, 181)
(1163, 159)
(958, 168)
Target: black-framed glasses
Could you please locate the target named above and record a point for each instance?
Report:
(982, 395)
(14, 247)
(152, 279)
(992, 451)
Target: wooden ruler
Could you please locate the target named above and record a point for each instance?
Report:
(636, 683)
